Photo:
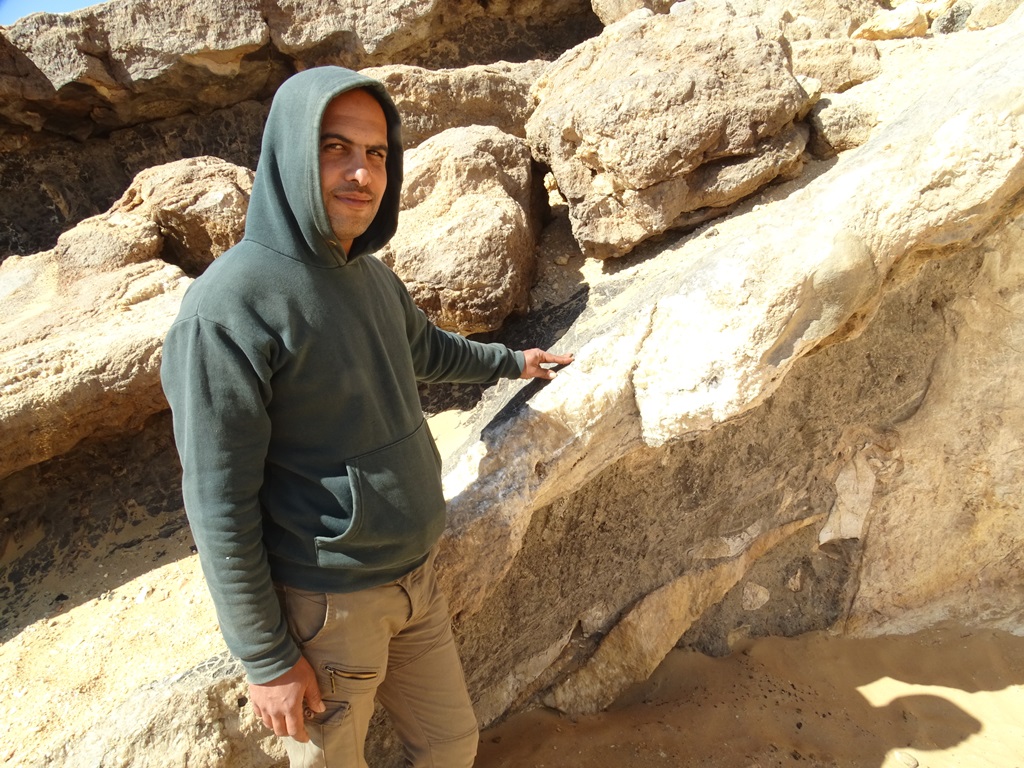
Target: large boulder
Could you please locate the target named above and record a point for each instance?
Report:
(836, 64)
(431, 101)
(53, 182)
(84, 322)
(710, 334)
(124, 62)
(471, 213)
(658, 123)
(806, 416)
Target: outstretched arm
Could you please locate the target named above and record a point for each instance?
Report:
(535, 361)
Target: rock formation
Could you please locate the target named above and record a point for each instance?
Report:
(196, 72)
(639, 144)
(80, 342)
(805, 414)
(471, 216)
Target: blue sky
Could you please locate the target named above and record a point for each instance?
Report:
(12, 10)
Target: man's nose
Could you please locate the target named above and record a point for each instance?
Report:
(358, 170)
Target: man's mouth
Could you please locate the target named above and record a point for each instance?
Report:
(353, 198)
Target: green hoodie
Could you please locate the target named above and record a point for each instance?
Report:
(291, 372)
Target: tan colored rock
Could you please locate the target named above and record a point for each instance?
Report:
(199, 205)
(811, 19)
(640, 641)
(122, 62)
(747, 299)
(945, 537)
(432, 101)
(836, 64)
(646, 128)
(990, 13)
(84, 323)
(610, 11)
(839, 123)
(907, 19)
(468, 228)
(125, 62)
(197, 718)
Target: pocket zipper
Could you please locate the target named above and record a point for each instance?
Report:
(347, 674)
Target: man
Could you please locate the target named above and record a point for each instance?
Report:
(310, 479)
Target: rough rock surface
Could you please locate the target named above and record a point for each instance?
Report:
(657, 123)
(610, 11)
(989, 13)
(124, 62)
(811, 19)
(471, 214)
(183, 79)
(432, 101)
(80, 342)
(745, 320)
(196, 718)
(52, 184)
(836, 64)
(907, 19)
(839, 124)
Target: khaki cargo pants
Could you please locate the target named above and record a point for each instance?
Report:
(394, 643)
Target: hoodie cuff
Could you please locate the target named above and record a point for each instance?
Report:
(273, 665)
(520, 363)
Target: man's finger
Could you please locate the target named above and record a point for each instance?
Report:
(313, 699)
(560, 359)
(296, 728)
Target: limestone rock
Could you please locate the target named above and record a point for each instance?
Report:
(432, 101)
(746, 306)
(122, 63)
(989, 13)
(964, 564)
(647, 127)
(839, 123)
(836, 64)
(126, 62)
(80, 342)
(196, 718)
(468, 228)
(610, 11)
(907, 19)
(199, 205)
(641, 640)
(52, 183)
(803, 20)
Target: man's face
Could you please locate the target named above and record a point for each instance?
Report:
(353, 148)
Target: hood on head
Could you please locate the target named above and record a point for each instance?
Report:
(286, 210)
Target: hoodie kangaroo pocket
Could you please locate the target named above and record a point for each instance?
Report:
(398, 507)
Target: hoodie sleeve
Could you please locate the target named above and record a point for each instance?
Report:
(443, 356)
(218, 391)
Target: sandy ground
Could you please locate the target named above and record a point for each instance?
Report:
(947, 697)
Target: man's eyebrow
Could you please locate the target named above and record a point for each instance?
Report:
(346, 140)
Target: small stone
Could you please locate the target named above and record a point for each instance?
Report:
(754, 596)
(905, 759)
(795, 583)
